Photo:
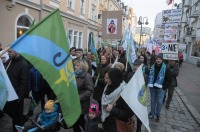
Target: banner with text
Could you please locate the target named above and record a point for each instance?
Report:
(169, 48)
(171, 16)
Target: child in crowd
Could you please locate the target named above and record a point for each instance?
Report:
(47, 117)
(93, 119)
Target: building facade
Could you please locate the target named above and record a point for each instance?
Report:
(144, 36)
(190, 29)
(80, 18)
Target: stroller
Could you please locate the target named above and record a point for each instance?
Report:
(45, 122)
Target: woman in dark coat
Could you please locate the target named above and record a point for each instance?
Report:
(99, 78)
(85, 89)
(121, 111)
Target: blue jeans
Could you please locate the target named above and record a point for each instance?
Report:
(157, 95)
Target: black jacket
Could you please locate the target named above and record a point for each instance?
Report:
(91, 125)
(174, 73)
(18, 75)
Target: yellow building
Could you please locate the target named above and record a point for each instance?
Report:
(80, 18)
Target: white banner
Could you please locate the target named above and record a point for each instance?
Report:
(171, 27)
(169, 48)
(135, 95)
(170, 56)
(11, 92)
(171, 16)
(170, 37)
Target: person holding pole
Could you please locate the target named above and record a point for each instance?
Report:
(116, 114)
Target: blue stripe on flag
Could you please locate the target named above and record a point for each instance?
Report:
(41, 48)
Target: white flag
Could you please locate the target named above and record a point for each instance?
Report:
(11, 92)
(135, 95)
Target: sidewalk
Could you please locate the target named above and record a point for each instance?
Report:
(181, 116)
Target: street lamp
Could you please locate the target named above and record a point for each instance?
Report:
(140, 22)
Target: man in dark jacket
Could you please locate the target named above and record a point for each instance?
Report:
(159, 79)
(79, 55)
(174, 73)
(17, 70)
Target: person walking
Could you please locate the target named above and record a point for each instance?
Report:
(85, 89)
(170, 89)
(180, 57)
(17, 70)
(159, 79)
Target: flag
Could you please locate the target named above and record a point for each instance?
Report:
(135, 95)
(46, 47)
(93, 49)
(7, 92)
(130, 52)
(169, 2)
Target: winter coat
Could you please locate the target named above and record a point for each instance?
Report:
(35, 80)
(91, 125)
(85, 89)
(120, 111)
(18, 75)
(174, 73)
(47, 119)
(98, 90)
(167, 78)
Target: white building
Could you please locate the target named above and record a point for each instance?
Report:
(190, 29)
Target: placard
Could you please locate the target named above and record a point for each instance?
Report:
(169, 48)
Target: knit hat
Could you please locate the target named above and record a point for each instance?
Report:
(49, 106)
(137, 62)
(160, 55)
(94, 108)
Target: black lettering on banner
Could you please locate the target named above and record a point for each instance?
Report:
(59, 63)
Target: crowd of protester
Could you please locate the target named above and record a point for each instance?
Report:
(98, 86)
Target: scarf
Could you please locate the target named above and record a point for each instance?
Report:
(78, 72)
(109, 99)
(160, 77)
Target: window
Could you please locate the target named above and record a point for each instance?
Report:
(196, 49)
(23, 24)
(75, 38)
(70, 34)
(93, 12)
(110, 8)
(71, 4)
(80, 40)
(82, 10)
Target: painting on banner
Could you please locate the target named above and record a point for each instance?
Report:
(171, 16)
(113, 24)
(169, 48)
(171, 32)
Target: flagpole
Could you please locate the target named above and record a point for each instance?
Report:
(172, 4)
(4, 51)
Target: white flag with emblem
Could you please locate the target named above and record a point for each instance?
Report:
(135, 95)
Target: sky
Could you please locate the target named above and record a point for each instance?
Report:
(149, 8)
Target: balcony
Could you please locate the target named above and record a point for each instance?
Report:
(190, 32)
(187, 3)
(195, 11)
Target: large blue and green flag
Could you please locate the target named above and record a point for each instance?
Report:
(46, 47)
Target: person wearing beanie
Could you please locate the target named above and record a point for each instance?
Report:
(159, 79)
(93, 119)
